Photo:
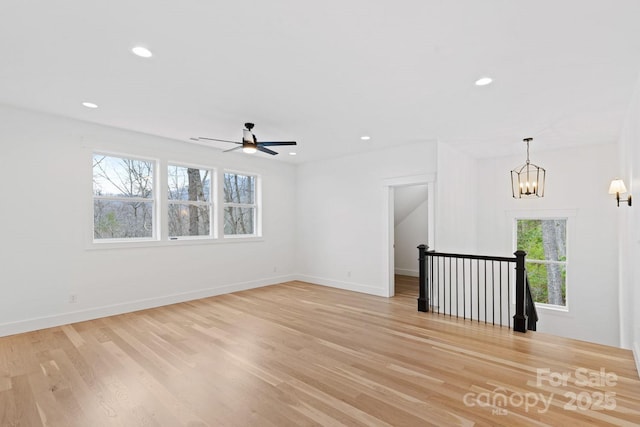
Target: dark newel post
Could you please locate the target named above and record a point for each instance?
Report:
(520, 319)
(423, 301)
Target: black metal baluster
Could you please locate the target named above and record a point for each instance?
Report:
(450, 287)
(471, 289)
(500, 270)
(432, 282)
(493, 294)
(442, 296)
(509, 299)
(464, 290)
(457, 291)
(478, 287)
(438, 280)
(485, 291)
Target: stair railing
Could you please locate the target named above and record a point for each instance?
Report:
(476, 287)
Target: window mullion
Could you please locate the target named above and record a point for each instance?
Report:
(163, 205)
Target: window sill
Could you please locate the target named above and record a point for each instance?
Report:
(185, 241)
(552, 309)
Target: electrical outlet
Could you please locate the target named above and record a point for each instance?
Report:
(348, 274)
(73, 298)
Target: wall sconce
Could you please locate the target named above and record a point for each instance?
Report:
(617, 187)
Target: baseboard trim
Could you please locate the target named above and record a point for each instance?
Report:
(636, 356)
(44, 322)
(407, 272)
(347, 286)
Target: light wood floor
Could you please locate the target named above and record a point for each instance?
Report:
(297, 354)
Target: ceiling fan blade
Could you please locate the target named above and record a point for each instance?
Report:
(215, 139)
(233, 149)
(266, 150)
(272, 143)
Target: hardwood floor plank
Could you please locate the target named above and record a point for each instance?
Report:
(296, 354)
(26, 411)
(8, 414)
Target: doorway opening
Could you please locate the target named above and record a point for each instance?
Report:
(410, 208)
(410, 228)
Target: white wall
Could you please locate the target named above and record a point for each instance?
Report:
(456, 198)
(342, 211)
(577, 184)
(411, 230)
(324, 223)
(45, 174)
(629, 230)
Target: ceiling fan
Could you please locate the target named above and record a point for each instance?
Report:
(250, 143)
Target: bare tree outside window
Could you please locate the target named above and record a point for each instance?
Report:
(545, 242)
(239, 204)
(190, 205)
(123, 202)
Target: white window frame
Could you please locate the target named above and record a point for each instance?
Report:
(155, 211)
(256, 205)
(569, 216)
(160, 203)
(213, 192)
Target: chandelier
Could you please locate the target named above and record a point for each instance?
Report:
(527, 180)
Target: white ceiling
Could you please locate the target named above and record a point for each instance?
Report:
(326, 72)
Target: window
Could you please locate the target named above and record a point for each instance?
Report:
(123, 198)
(240, 207)
(144, 202)
(545, 242)
(189, 206)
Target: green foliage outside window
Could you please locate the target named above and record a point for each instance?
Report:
(544, 241)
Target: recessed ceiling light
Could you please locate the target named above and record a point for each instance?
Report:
(90, 105)
(293, 153)
(484, 81)
(365, 137)
(142, 52)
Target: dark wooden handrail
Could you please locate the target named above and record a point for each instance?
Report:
(468, 256)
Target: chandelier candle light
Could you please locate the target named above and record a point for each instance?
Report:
(527, 180)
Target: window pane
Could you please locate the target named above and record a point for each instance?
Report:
(188, 220)
(239, 188)
(239, 220)
(119, 177)
(548, 283)
(543, 239)
(189, 184)
(118, 220)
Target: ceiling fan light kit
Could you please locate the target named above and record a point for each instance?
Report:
(249, 148)
(250, 143)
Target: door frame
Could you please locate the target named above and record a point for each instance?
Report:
(389, 236)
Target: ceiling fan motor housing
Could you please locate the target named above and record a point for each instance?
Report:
(247, 136)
